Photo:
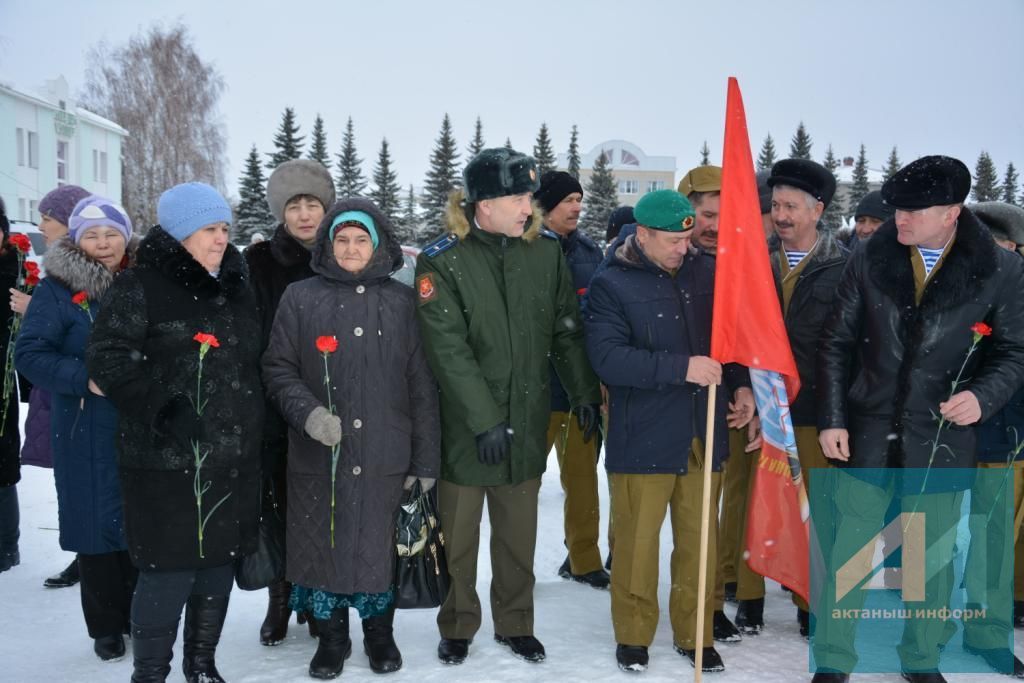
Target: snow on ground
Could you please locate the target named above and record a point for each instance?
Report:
(43, 637)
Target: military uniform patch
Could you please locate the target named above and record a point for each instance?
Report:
(425, 288)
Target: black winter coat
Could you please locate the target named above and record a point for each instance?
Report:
(642, 325)
(384, 393)
(10, 440)
(808, 307)
(273, 265)
(583, 257)
(1000, 435)
(887, 389)
(143, 356)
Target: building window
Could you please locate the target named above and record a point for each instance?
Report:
(33, 210)
(33, 149)
(99, 166)
(628, 159)
(629, 186)
(654, 185)
(62, 160)
(22, 209)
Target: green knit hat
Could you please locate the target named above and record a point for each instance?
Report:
(664, 210)
(499, 172)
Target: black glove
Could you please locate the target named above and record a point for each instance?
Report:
(492, 446)
(588, 418)
(177, 420)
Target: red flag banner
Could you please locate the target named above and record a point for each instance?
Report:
(747, 328)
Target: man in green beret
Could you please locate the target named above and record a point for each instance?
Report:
(648, 329)
(495, 306)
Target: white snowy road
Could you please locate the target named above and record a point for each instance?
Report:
(43, 637)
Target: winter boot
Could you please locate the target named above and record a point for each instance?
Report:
(334, 646)
(803, 618)
(632, 658)
(724, 631)
(275, 625)
(711, 661)
(9, 533)
(379, 643)
(1018, 614)
(152, 649)
(309, 621)
(204, 619)
(64, 579)
(750, 616)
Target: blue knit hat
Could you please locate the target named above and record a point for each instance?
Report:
(360, 219)
(185, 208)
(95, 211)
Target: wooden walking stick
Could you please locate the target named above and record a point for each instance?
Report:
(705, 519)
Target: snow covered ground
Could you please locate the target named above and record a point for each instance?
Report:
(43, 637)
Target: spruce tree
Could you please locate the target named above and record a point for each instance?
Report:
(543, 154)
(442, 177)
(860, 185)
(602, 198)
(350, 180)
(287, 141)
(1010, 184)
(833, 216)
(800, 146)
(386, 190)
(573, 166)
(508, 143)
(892, 165)
(986, 182)
(253, 214)
(318, 147)
(766, 159)
(410, 221)
(477, 143)
(705, 154)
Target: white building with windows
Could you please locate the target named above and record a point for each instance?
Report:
(635, 172)
(46, 140)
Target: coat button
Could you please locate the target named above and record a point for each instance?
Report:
(358, 332)
(360, 289)
(357, 470)
(233, 473)
(357, 423)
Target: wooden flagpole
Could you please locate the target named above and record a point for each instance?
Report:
(705, 519)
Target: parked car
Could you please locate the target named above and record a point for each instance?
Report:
(407, 273)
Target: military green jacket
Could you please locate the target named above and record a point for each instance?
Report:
(493, 310)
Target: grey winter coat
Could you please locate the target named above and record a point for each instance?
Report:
(385, 395)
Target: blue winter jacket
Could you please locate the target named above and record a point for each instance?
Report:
(83, 426)
(583, 257)
(642, 324)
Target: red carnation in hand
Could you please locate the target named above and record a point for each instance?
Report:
(32, 279)
(206, 339)
(31, 267)
(20, 242)
(981, 329)
(327, 344)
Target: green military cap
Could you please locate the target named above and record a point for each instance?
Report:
(664, 210)
(701, 179)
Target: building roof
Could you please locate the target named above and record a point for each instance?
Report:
(83, 114)
(624, 156)
(844, 174)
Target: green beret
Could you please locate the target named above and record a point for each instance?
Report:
(664, 210)
(499, 172)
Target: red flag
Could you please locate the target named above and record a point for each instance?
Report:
(747, 328)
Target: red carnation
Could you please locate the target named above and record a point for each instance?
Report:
(581, 291)
(206, 339)
(31, 267)
(80, 298)
(327, 344)
(32, 279)
(20, 242)
(981, 329)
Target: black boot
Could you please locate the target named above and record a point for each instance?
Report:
(275, 624)
(724, 631)
(750, 616)
(711, 661)
(1018, 614)
(334, 645)
(204, 619)
(152, 649)
(803, 618)
(379, 643)
(65, 579)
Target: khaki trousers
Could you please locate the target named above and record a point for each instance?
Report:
(577, 464)
(750, 585)
(735, 489)
(640, 504)
(512, 511)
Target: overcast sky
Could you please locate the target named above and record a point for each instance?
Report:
(931, 76)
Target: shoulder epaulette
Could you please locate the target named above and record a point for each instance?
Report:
(441, 245)
(549, 233)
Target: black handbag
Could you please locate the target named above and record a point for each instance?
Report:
(421, 570)
(265, 566)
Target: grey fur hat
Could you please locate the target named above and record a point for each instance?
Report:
(1004, 220)
(298, 177)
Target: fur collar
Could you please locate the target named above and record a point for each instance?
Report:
(69, 265)
(457, 220)
(164, 254)
(287, 250)
(972, 260)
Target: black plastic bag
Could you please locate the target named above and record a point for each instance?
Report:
(421, 570)
(265, 566)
